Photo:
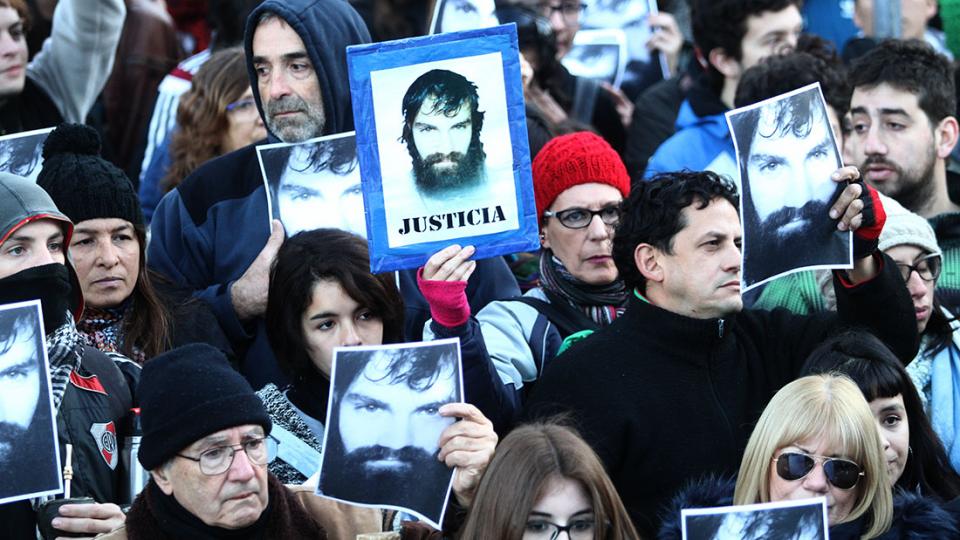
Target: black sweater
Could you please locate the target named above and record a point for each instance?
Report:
(664, 398)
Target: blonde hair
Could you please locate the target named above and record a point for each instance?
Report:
(833, 407)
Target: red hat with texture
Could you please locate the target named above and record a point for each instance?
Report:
(574, 159)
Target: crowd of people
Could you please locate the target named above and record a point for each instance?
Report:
(612, 379)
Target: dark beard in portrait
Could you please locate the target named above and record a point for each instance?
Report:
(780, 251)
(26, 456)
(418, 482)
(464, 173)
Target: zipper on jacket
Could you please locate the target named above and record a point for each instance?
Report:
(720, 328)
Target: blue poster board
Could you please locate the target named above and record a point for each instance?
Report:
(442, 146)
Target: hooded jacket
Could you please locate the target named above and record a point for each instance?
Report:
(702, 140)
(208, 230)
(914, 517)
(97, 392)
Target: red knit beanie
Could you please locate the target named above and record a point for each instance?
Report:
(573, 159)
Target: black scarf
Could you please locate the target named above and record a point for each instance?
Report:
(49, 283)
(177, 522)
(311, 393)
(602, 303)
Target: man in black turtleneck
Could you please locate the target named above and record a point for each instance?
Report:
(92, 393)
(206, 442)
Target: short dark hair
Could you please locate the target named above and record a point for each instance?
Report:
(653, 214)
(876, 370)
(339, 155)
(451, 91)
(813, 61)
(312, 256)
(910, 66)
(723, 23)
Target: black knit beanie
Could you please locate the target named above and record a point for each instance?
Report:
(188, 393)
(82, 184)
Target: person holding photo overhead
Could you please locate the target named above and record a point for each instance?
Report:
(579, 183)
(346, 306)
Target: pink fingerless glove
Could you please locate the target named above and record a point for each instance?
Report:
(447, 299)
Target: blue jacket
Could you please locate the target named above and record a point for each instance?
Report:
(207, 231)
(700, 143)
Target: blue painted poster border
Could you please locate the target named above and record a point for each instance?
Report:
(364, 59)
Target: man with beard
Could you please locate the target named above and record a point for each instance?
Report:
(386, 426)
(903, 129)
(26, 429)
(442, 124)
(210, 235)
(787, 155)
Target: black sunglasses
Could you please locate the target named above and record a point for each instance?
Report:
(841, 473)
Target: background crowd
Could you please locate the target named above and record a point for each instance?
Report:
(612, 379)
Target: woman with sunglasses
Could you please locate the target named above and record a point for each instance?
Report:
(544, 482)
(579, 183)
(916, 460)
(817, 437)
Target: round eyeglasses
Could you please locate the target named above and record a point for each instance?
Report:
(219, 459)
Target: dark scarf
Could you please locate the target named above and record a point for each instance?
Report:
(602, 303)
(49, 283)
(103, 329)
(157, 516)
(311, 393)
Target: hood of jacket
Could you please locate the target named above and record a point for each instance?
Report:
(327, 28)
(22, 202)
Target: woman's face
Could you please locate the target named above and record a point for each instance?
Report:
(244, 124)
(106, 255)
(334, 319)
(815, 484)
(921, 291)
(564, 503)
(586, 252)
(894, 427)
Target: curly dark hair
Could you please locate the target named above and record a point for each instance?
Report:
(450, 91)
(911, 66)
(813, 61)
(311, 256)
(653, 214)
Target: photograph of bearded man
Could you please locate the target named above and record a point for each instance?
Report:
(384, 427)
(787, 153)
(29, 461)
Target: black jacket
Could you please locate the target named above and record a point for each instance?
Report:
(92, 417)
(663, 398)
(914, 517)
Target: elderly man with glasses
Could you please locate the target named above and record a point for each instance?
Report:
(206, 442)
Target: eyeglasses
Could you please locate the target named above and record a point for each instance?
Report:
(579, 529)
(569, 11)
(579, 218)
(841, 473)
(928, 268)
(219, 459)
(244, 108)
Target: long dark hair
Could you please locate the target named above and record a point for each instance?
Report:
(147, 325)
(876, 370)
(938, 332)
(311, 256)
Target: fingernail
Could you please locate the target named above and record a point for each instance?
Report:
(834, 214)
(57, 522)
(842, 226)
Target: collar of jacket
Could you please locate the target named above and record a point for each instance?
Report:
(687, 333)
